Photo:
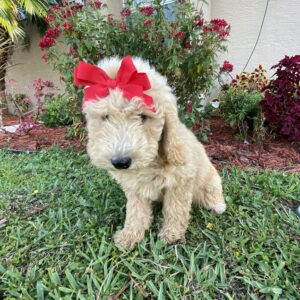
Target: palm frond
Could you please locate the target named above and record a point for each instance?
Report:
(33, 7)
(9, 14)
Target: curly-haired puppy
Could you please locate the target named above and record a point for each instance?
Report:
(152, 155)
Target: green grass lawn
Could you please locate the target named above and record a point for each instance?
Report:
(56, 241)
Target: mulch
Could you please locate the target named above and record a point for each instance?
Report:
(223, 149)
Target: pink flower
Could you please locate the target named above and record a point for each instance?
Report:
(126, 12)
(147, 10)
(46, 42)
(227, 66)
(180, 35)
(148, 22)
(45, 57)
(123, 26)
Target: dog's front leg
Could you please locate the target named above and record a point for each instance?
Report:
(138, 218)
(176, 213)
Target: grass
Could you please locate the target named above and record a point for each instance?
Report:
(59, 213)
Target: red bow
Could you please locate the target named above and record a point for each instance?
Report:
(98, 83)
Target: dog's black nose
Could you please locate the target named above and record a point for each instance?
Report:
(121, 162)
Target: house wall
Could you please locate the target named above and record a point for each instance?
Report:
(280, 35)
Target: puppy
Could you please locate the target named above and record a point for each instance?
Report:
(138, 138)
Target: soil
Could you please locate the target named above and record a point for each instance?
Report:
(223, 148)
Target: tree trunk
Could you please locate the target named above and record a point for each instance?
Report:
(5, 50)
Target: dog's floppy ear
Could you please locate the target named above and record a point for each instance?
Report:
(172, 146)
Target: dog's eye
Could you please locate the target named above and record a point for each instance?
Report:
(143, 118)
(105, 118)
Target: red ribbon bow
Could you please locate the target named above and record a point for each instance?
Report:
(98, 83)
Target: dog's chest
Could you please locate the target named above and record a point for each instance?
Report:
(147, 184)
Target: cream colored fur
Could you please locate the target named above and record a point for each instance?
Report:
(168, 162)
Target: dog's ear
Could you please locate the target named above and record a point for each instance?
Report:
(172, 146)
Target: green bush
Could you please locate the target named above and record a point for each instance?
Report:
(58, 112)
(241, 109)
(184, 50)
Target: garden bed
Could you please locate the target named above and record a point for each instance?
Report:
(223, 148)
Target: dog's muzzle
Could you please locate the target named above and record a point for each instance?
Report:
(121, 162)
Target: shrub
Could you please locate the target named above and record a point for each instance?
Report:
(240, 108)
(58, 112)
(240, 103)
(281, 103)
(184, 50)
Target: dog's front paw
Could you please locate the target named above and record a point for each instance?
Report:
(170, 235)
(127, 239)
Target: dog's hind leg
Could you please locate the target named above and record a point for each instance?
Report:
(209, 194)
(138, 219)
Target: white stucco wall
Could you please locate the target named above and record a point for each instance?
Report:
(27, 65)
(280, 34)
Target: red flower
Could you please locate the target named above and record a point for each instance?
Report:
(227, 66)
(68, 27)
(52, 33)
(147, 10)
(219, 22)
(187, 45)
(196, 127)
(96, 4)
(46, 42)
(218, 26)
(45, 57)
(148, 22)
(123, 26)
(199, 22)
(180, 35)
(126, 12)
(189, 106)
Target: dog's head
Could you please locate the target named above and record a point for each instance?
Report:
(123, 134)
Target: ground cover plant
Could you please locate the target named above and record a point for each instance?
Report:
(58, 213)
